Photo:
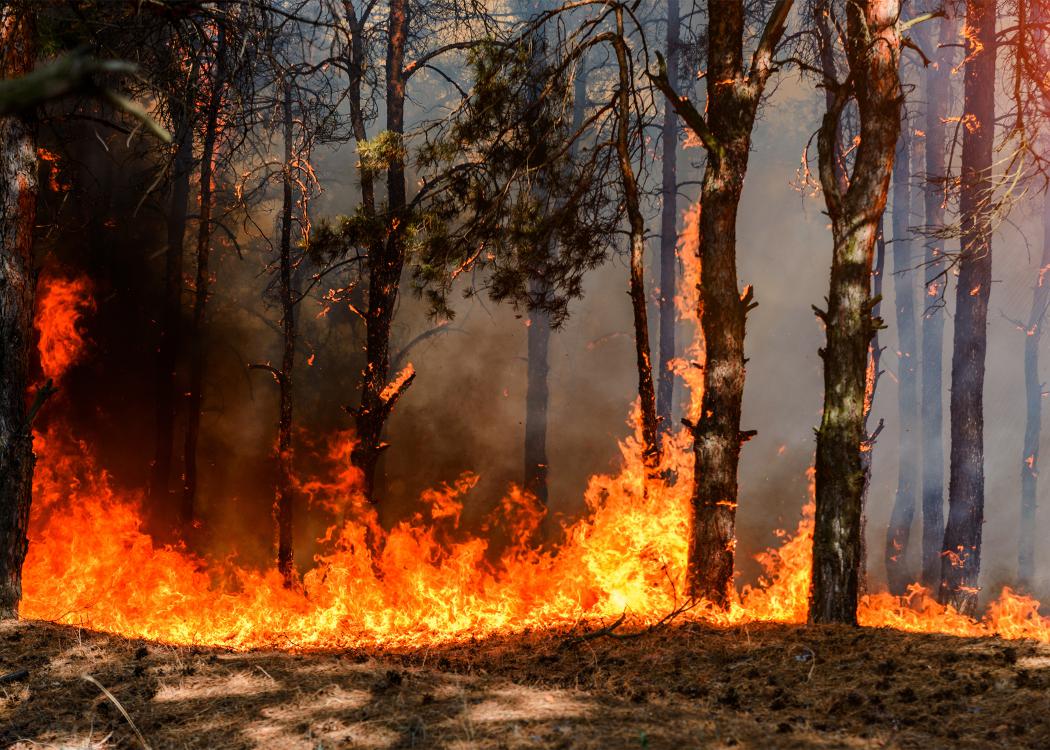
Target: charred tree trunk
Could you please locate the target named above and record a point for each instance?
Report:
(668, 236)
(18, 193)
(285, 498)
(166, 389)
(385, 263)
(636, 221)
(872, 45)
(903, 515)
(1033, 412)
(187, 509)
(961, 561)
(725, 132)
(938, 83)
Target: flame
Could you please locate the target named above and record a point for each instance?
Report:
(60, 310)
(427, 579)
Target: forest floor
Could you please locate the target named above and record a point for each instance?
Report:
(683, 686)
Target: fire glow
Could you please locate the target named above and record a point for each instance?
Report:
(92, 564)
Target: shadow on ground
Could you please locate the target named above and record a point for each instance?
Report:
(687, 686)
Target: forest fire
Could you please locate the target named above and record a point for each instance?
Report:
(471, 375)
(92, 564)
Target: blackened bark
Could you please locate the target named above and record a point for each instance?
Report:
(725, 132)
(168, 342)
(872, 46)
(668, 236)
(1033, 411)
(385, 263)
(284, 499)
(18, 193)
(537, 398)
(961, 561)
(187, 509)
(938, 82)
(904, 292)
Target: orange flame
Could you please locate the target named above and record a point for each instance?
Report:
(60, 309)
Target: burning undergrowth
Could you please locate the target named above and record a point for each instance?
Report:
(426, 579)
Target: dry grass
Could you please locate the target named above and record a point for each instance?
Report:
(684, 686)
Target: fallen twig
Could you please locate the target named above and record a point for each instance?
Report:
(120, 708)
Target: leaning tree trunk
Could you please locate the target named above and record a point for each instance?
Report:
(961, 561)
(385, 263)
(18, 191)
(1033, 411)
(938, 83)
(668, 237)
(165, 387)
(285, 497)
(636, 221)
(187, 508)
(872, 45)
(903, 514)
(643, 356)
(725, 130)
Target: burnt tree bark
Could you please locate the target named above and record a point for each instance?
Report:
(961, 550)
(904, 293)
(938, 83)
(187, 509)
(668, 236)
(1033, 411)
(18, 193)
(725, 130)
(168, 341)
(284, 497)
(385, 262)
(872, 48)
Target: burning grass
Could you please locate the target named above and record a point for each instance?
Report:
(760, 685)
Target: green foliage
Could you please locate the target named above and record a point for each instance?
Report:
(377, 154)
(523, 209)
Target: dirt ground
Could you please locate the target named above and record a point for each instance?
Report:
(684, 686)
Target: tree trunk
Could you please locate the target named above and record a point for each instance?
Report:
(725, 131)
(187, 514)
(938, 82)
(166, 389)
(283, 502)
(668, 237)
(537, 398)
(855, 215)
(1033, 412)
(961, 561)
(636, 221)
(18, 193)
(903, 515)
(871, 386)
(385, 263)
